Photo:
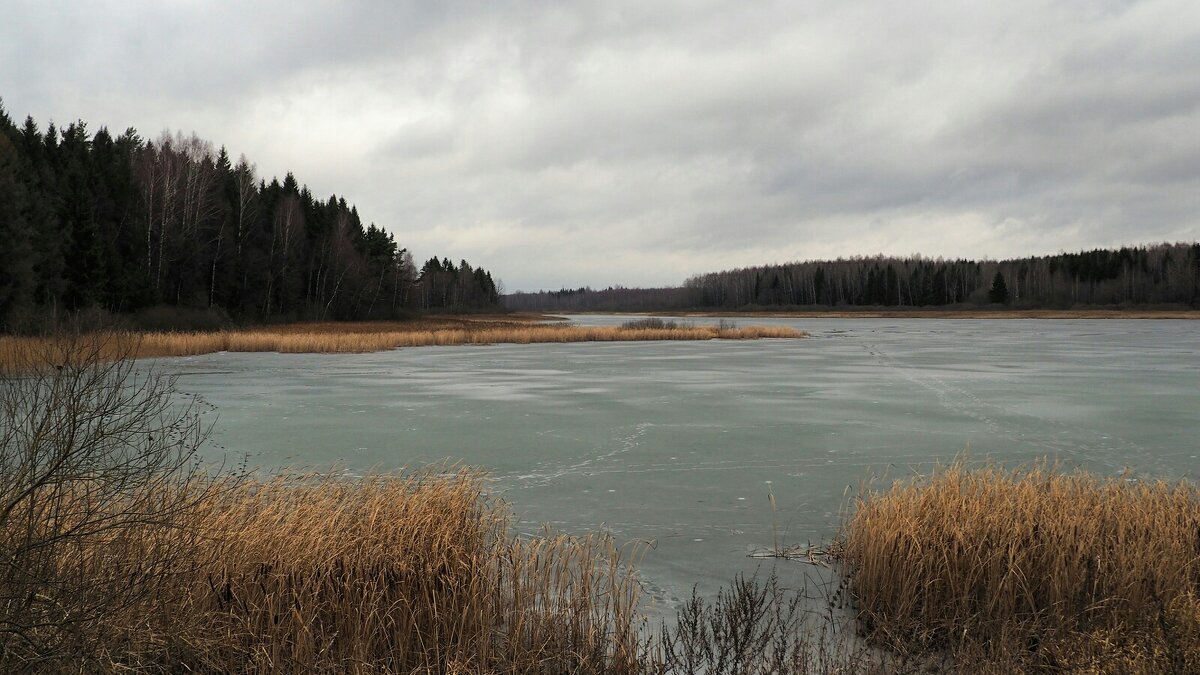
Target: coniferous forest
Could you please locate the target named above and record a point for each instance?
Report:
(121, 224)
(1158, 275)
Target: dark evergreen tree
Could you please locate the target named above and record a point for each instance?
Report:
(998, 293)
(16, 249)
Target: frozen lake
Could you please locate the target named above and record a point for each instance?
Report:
(678, 443)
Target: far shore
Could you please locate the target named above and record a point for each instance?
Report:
(937, 314)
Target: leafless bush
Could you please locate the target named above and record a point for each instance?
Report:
(98, 466)
(762, 628)
(652, 322)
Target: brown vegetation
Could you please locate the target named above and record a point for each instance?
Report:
(388, 574)
(380, 336)
(319, 574)
(119, 552)
(1040, 570)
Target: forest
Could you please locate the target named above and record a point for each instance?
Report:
(611, 299)
(119, 224)
(1159, 275)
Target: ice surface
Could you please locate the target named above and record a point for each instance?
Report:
(678, 442)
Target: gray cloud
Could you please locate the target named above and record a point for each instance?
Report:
(638, 143)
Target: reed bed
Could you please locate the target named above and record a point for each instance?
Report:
(1038, 569)
(373, 337)
(386, 574)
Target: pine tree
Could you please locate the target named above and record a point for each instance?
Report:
(998, 293)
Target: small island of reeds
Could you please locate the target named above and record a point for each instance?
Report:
(374, 336)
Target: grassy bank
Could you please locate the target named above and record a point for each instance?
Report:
(980, 571)
(1038, 570)
(381, 336)
(388, 574)
(318, 574)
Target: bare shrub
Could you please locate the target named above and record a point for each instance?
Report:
(97, 472)
(651, 322)
(758, 627)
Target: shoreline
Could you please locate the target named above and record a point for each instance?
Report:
(1143, 314)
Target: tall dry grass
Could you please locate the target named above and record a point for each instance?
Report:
(357, 338)
(1037, 569)
(386, 574)
(119, 552)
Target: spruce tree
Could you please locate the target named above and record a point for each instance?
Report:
(999, 290)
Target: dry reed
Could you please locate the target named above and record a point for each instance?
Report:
(385, 574)
(1038, 569)
(985, 570)
(373, 337)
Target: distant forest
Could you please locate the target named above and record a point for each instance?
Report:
(1163, 274)
(121, 224)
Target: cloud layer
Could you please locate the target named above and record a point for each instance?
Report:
(638, 143)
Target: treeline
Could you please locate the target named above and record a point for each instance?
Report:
(118, 223)
(611, 299)
(1163, 274)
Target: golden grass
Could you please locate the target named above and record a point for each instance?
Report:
(377, 336)
(1038, 569)
(1030, 571)
(386, 574)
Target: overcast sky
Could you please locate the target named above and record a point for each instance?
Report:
(638, 143)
